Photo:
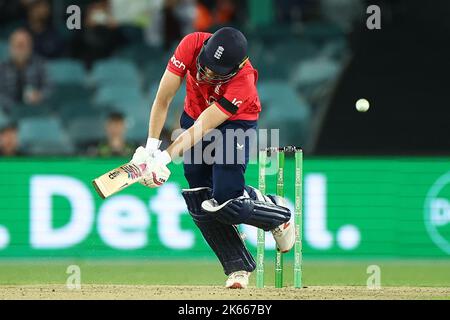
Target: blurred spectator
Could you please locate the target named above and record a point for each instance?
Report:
(216, 13)
(226, 11)
(185, 11)
(9, 142)
(172, 25)
(115, 135)
(179, 18)
(343, 13)
(204, 18)
(23, 78)
(170, 20)
(47, 41)
(11, 11)
(136, 12)
(99, 37)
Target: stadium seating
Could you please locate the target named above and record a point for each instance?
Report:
(342, 13)
(288, 62)
(153, 72)
(137, 128)
(86, 130)
(270, 34)
(116, 94)
(337, 49)
(115, 71)
(44, 136)
(4, 119)
(23, 111)
(141, 54)
(321, 32)
(296, 50)
(71, 110)
(278, 62)
(283, 108)
(176, 107)
(3, 50)
(68, 93)
(118, 97)
(66, 71)
(255, 52)
(313, 73)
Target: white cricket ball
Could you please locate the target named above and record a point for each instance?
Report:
(362, 105)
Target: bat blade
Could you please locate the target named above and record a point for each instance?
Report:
(118, 179)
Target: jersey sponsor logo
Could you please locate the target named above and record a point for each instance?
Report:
(177, 63)
(217, 89)
(219, 52)
(236, 102)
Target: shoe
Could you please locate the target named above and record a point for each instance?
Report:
(238, 280)
(284, 236)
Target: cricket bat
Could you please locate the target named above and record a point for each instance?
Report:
(118, 179)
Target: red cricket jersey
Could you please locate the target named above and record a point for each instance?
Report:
(240, 90)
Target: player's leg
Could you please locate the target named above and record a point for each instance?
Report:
(224, 239)
(198, 175)
(269, 213)
(234, 204)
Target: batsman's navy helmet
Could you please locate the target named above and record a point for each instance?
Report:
(223, 53)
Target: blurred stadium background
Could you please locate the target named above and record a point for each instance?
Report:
(376, 184)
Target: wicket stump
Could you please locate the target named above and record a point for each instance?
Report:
(280, 153)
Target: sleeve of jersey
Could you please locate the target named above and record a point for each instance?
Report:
(236, 95)
(183, 56)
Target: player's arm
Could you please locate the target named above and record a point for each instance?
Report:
(209, 119)
(168, 87)
(170, 82)
(156, 167)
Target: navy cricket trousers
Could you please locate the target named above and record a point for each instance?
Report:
(225, 175)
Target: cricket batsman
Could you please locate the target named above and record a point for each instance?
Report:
(220, 94)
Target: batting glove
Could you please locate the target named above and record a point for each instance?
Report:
(156, 172)
(143, 155)
(152, 146)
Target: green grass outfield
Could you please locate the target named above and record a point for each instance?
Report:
(316, 273)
